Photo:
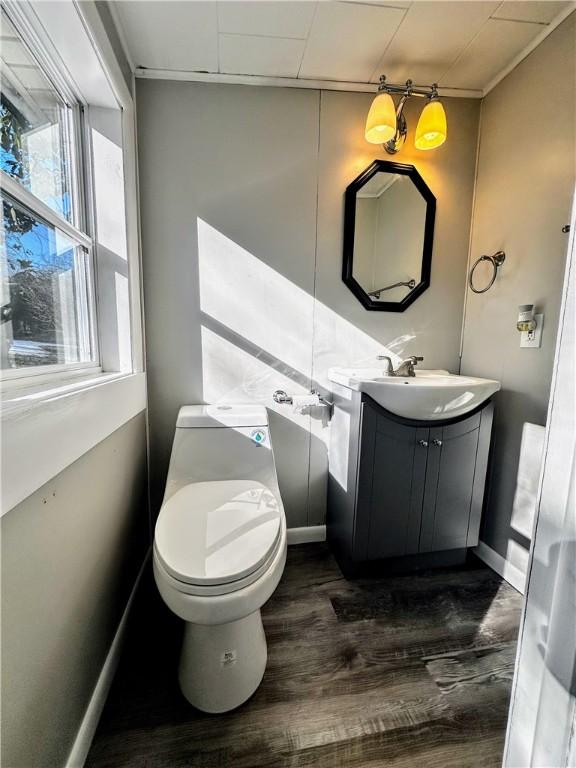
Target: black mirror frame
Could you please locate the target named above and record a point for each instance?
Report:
(349, 224)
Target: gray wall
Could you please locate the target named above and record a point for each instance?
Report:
(228, 201)
(242, 205)
(523, 198)
(70, 555)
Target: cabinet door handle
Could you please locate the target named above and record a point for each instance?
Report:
(423, 443)
(437, 443)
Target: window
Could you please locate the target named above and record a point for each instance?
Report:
(47, 300)
(69, 243)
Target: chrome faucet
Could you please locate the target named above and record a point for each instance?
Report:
(389, 367)
(406, 367)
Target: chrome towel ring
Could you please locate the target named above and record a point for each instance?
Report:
(496, 260)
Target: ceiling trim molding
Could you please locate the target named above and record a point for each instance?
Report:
(146, 73)
(534, 43)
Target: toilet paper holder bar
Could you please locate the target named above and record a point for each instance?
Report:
(283, 398)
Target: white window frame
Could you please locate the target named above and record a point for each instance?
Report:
(80, 229)
(55, 418)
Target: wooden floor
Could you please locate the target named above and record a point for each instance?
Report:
(404, 672)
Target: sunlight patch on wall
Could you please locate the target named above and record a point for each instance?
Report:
(527, 479)
(517, 556)
(253, 300)
(109, 194)
(339, 343)
(275, 319)
(231, 375)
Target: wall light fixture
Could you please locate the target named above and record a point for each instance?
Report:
(386, 123)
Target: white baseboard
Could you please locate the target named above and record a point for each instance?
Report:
(83, 741)
(306, 534)
(510, 573)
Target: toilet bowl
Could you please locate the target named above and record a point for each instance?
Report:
(220, 549)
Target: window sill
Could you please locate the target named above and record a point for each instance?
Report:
(22, 393)
(46, 428)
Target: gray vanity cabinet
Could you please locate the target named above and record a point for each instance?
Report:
(412, 488)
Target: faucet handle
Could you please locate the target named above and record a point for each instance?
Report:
(406, 367)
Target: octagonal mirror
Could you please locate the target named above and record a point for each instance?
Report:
(389, 214)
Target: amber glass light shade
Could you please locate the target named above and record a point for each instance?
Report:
(431, 130)
(381, 120)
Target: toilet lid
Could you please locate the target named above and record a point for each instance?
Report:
(217, 532)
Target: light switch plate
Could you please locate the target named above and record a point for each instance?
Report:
(533, 339)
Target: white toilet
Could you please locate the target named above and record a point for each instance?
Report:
(220, 549)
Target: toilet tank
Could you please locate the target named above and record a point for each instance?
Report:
(221, 442)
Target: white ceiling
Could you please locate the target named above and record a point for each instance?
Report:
(460, 44)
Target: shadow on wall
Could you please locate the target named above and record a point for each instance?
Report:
(256, 332)
(278, 322)
(260, 332)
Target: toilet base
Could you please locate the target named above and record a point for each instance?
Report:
(222, 665)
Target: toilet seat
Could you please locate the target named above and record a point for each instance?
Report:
(216, 537)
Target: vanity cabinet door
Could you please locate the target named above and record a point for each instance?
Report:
(419, 488)
(392, 502)
(449, 488)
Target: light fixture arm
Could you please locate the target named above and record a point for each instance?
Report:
(401, 103)
(397, 141)
(408, 89)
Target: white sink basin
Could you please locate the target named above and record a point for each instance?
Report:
(428, 396)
